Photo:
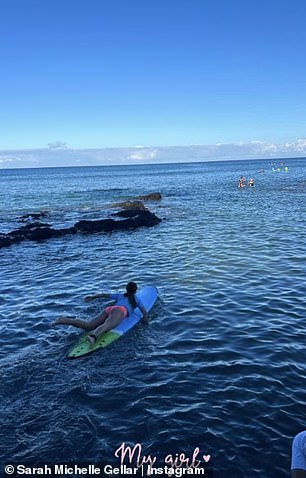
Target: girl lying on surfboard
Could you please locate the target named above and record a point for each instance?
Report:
(111, 316)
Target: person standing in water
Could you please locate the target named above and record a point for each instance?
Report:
(111, 316)
(252, 182)
(241, 182)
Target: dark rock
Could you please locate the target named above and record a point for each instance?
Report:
(31, 232)
(150, 197)
(131, 205)
(38, 232)
(127, 213)
(133, 219)
(33, 216)
(5, 241)
(146, 218)
(90, 227)
(30, 227)
(136, 203)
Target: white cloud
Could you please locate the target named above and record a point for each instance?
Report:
(299, 146)
(57, 145)
(143, 155)
(61, 156)
(8, 159)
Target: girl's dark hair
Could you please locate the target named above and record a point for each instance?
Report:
(131, 289)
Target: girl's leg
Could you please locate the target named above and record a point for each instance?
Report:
(83, 324)
(114, 319)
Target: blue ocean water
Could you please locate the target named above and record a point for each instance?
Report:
(221, 365)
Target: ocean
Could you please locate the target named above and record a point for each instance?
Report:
(221, 365)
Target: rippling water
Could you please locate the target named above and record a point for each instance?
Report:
(221, 366)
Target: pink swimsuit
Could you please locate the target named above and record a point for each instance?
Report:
(119, 307)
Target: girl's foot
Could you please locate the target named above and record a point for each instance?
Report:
(91, 339)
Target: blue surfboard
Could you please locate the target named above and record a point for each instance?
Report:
(147, 296)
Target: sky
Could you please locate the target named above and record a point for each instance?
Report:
(133, 80)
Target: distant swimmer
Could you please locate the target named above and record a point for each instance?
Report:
(241, 182)
(252, 182)
(298, 459)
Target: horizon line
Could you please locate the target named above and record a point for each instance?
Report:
(156, 163)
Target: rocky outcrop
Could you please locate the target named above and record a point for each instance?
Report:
(130, 205)
(136, 203)
(33, 216)
(150, 197)
(133, 219)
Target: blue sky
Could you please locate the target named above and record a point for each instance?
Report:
(156, 73)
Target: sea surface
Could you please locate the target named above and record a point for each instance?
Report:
(221, 365)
